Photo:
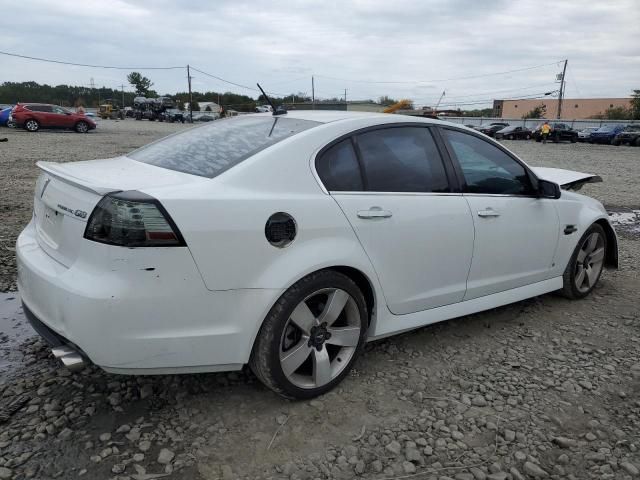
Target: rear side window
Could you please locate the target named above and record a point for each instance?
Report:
(209, 150)
(39, 108)
(402, 159)
(338, 168)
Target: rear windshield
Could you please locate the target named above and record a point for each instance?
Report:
(209, 150)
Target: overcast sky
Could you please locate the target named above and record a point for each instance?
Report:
(426, 44)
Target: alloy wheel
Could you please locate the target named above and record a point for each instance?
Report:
(589, 262)
(82, 127)
(31, 125)
(320, 338)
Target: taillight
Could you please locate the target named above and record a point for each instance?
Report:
(132, 219)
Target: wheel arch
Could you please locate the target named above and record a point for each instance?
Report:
(361, 279)
(611, 255)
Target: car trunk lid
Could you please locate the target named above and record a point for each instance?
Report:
(66, 194)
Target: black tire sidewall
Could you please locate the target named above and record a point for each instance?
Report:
(278, 317)
(569, 288)
(81, 123)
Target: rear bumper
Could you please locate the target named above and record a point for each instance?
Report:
(127, 318)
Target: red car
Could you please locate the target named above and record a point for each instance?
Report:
(34, 116)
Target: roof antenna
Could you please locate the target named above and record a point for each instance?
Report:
(276, 111)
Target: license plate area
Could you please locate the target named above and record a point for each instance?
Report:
(50, 223)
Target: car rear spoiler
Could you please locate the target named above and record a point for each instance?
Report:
(59, 171)
(567, 179)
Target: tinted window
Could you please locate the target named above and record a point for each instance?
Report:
(214, 148)
(60, 110)
(402, 159)
(39, 108)
(338, 168)
(486, 168)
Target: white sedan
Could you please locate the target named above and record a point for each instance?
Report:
(286, 242)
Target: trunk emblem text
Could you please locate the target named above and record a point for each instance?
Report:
(77, 213)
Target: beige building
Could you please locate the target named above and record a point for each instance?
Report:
(572, 108)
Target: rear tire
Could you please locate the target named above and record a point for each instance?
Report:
(312, 336)
(615, 142)
(637, 142)
(586, 264)
(31, 125)
(574, 139)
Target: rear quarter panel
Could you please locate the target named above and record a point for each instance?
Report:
(223, 220)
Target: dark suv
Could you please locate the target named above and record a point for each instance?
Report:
(34, 116)
(630, 135)
(559, 132)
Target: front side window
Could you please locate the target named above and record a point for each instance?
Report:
(486, 168)
(402, 159)
(338, 168)
(209, 150)
(60, 110)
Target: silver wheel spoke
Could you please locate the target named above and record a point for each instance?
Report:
(580, 276)
(592, 242)
(597, 255)
(581, 255)
(344, 336)
(321, 367)
(295, 357)
(591, 276)
(335, 304)
(303, 317)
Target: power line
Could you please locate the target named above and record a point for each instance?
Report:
(234, 83)
(413, 82)
(85, 64)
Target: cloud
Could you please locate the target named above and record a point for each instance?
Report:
(282, 43)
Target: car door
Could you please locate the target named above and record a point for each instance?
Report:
(61, 117)
(516, 233)
(394, 188)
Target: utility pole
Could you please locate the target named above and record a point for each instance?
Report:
(561, 95)
(122, 87)
(345, 95)
(313, 94)
(190, 95)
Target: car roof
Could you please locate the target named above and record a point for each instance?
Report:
(327, 116)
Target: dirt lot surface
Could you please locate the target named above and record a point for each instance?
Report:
(545, 388)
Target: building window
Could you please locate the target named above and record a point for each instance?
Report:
(611, 105)
(576, 105)
(516, 106)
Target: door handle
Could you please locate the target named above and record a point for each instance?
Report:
(374, 212)
(488, 212)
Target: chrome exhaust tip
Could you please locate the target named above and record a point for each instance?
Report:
(69, 357)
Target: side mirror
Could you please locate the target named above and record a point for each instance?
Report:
(547, 189)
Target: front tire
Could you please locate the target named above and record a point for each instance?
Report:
(586, 264)
(31, 125)
(312, 336)
(82, 127)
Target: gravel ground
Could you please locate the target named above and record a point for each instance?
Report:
(545, 388)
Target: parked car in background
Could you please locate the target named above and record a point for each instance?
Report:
(606, 134)
(172, 115)
(585, 133)
(513, 133)
(196, 254)
(630, 135)
(491, 129)
(559, 132)
(34, 116)
(5, 114)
